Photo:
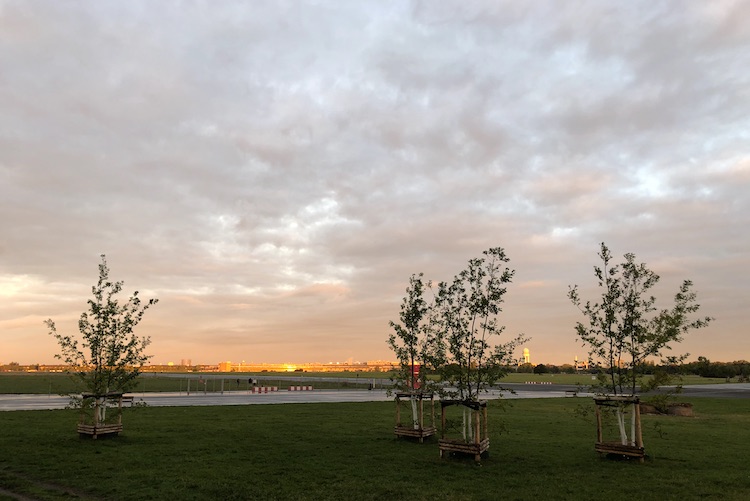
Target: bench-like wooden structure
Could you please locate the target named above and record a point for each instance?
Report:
(418, 430)
(481, 441)
(95, 426)
(635, 447)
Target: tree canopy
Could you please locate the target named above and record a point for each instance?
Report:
(454, 333)
(409, 337)
(108, 355)
(625, 328)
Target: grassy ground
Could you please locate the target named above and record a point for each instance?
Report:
(348, 451)
(585, 379)
(57, 383)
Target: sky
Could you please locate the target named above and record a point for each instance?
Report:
(275, 171)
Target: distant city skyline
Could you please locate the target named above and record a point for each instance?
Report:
(274, 173)
(526, 358)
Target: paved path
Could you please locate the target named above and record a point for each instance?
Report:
(43, 402)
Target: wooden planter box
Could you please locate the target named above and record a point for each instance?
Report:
(476, 449)
(635, 446)
(419, 430)
(94, 426)
(481, 441)
(100, 430)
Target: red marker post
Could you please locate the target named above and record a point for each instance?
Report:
(414, 382)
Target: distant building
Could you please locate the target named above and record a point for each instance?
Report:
(369, 366)
(580, 365)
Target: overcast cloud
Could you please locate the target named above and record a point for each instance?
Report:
(275, 171)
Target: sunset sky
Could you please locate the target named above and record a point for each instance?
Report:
(274, 171)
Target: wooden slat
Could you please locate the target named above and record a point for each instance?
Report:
(406, 431)
(616, 448)
(95, 431)
(469, 448)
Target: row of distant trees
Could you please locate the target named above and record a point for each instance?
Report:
(702, 367)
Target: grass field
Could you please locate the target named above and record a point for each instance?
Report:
(58, 383)
(348, 451)
(585, 379)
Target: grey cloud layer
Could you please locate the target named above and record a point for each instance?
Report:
(274, 172)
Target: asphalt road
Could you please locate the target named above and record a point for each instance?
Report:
(181, 399)
(43, 402)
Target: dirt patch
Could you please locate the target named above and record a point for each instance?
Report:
(27, 486)
(648, 409)
(685, 410)
(13, 495)
(681, 409)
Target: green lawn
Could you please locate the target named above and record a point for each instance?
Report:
(348, 451)
(586, 379)
(59, 383)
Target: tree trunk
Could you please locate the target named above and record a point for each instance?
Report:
(414, 413)
(467, 428)
(621, 425)
(98, 410)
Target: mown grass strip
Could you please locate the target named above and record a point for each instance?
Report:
(57, 383)
(348, 451)
(60, 383)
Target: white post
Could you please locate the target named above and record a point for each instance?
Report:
(414, 415)
(621, 424)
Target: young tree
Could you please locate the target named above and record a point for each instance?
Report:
(408, 339)
(453, 334)
(108, 356)
(625, 328)
(465, 321)
(409, 342)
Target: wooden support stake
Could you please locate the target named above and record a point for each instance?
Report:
(432, 402)
(485, 429)
(477, 435)
(421, 414)
(398, 411)
(638, 430)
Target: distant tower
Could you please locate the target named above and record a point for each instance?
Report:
(526, 356)
(580, 365)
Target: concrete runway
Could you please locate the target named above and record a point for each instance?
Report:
(46, 402)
